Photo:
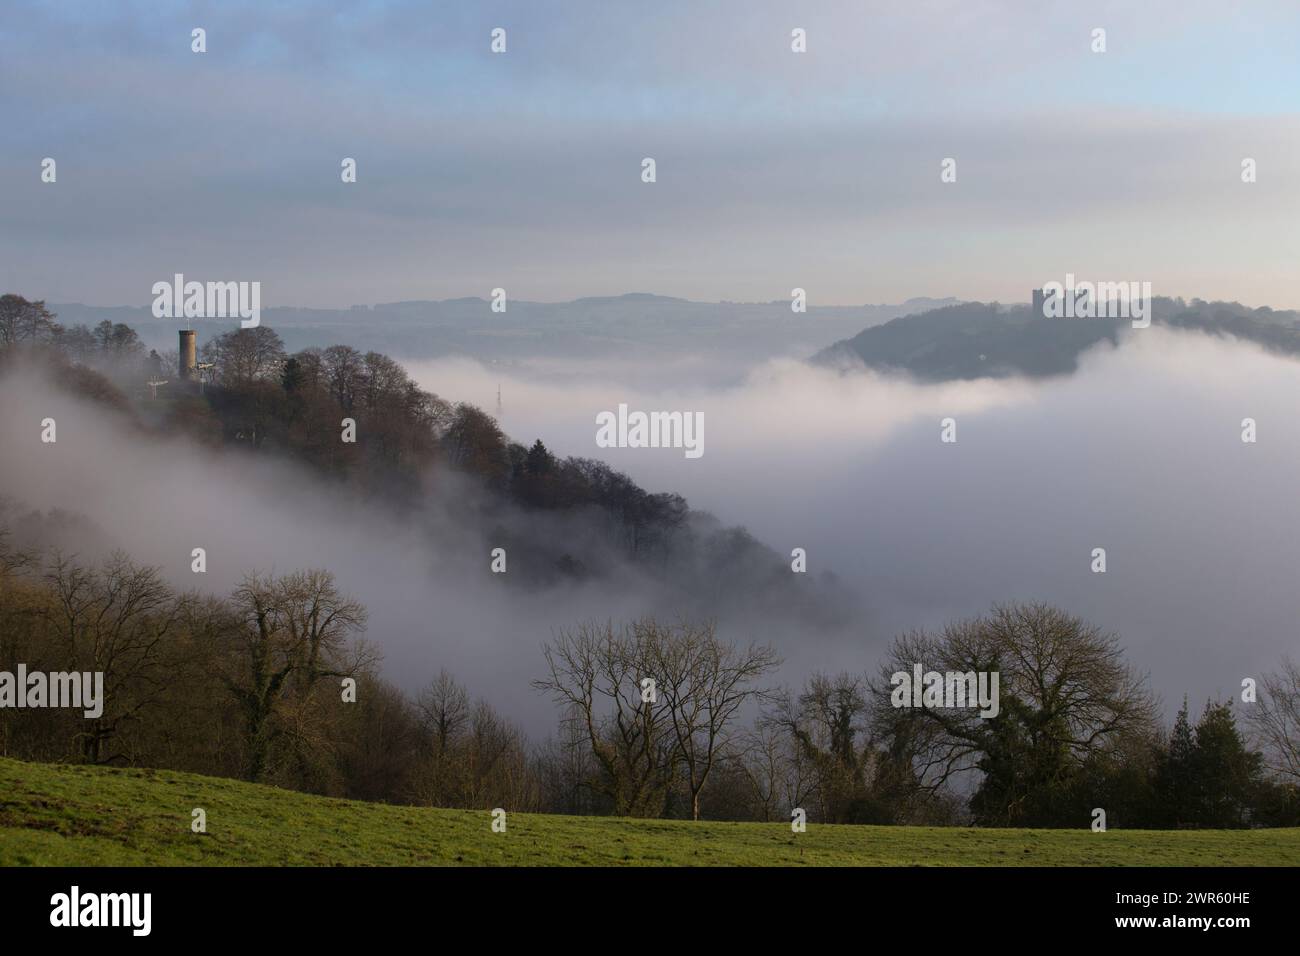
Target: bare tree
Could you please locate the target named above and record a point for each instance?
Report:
(246, 355)
(293, 632)
(565, 768)
(1066, 696)
(24, 321)
(704, 683)
(444, 711)
(1275, 719)
(344, 372)
(475, 443)
(117, 619)
(827, 724)
(596, 672)
(471, 756)
(11, 561)
(496, 760)
(779, 772)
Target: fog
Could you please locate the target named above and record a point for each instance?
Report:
(423, 578)
(1139, 453)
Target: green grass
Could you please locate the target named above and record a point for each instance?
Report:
(74, 815)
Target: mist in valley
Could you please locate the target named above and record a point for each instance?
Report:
(1139, 453)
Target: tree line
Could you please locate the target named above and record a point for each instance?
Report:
(276, 683)
(250, 684)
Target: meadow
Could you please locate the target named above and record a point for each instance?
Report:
(72, 815)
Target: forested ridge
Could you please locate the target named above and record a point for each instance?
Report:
(973, 340)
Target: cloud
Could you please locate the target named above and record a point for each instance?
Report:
(1139, 453)
(423, 574)
(522, 171)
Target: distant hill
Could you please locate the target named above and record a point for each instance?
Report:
(731, 336)
(978, 340)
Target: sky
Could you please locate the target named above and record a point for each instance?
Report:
(775, 170)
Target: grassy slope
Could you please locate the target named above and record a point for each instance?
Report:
(70, 815)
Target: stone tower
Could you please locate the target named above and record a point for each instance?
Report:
(189, 356)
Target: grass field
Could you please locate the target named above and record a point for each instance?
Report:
(74, 815)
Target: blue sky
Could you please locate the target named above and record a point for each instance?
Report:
(776, 169)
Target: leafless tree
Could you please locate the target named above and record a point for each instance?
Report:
(653, 700)
(246, 355)
(117, 619)
(24, 321)
(596, 672)
(1066, 695)
(779, 772)
(444, 712)
(294, 631)
(344, 370)
(1275, 719)
(704, 682)
(827, 725)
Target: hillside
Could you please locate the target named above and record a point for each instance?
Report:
(563, 520)
(977, 340)
(78, 815)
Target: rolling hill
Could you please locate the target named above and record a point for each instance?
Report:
(977, 340)
(86, 816)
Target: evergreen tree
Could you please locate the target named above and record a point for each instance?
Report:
(1176, 782)
(291, 374)
(540, 460)
(1227, 771)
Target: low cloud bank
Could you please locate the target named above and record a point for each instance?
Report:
(1139, 453)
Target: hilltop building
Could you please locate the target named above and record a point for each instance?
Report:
(187, 365)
